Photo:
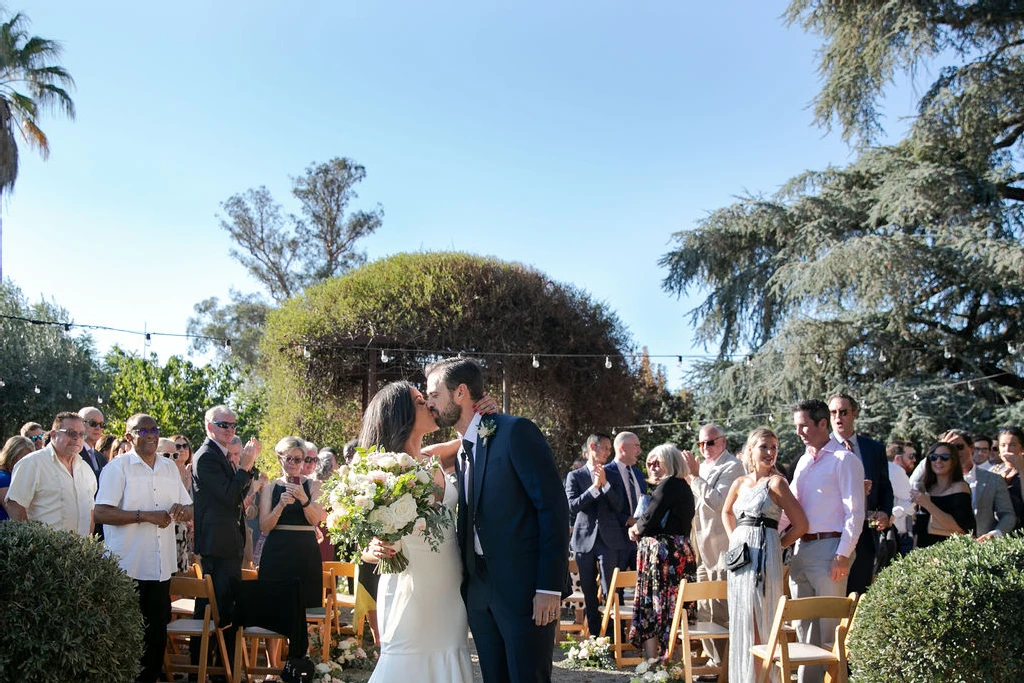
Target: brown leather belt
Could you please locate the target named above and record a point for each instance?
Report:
(820, 535)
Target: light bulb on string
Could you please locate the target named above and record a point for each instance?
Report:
(536, 362)
(2, 382)
(916, 396)
(818, 359)
(1011, 348)
(679, 359)
(68, 395)
(970, 385)
(946, 353)
(608, 362)
(771, 418)
(305, 352)
(227, 344)
(882, 357)
(384, 357)
(99, 400)
(36, 389)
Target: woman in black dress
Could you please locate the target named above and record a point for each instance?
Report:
(944, 504)
(664, 556)
(289, 516)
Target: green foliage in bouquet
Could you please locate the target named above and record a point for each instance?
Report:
(70, 613)
(950, 612)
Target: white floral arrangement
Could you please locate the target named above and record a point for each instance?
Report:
(594, 652)
(656, 670)
(346, 654)
(388, 496)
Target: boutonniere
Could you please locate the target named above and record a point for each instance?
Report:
(487, 428)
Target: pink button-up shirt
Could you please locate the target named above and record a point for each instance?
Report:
(830, 488)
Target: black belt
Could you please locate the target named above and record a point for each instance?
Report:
(766, 522)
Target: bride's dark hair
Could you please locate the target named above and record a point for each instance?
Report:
(389, 419)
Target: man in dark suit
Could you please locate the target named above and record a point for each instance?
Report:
(513, 527)
(843, 411)
(218, 489)
(94, 424)
(624, 471)
(598, 536)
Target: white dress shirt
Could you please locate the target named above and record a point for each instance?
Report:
(42, 484)
(144, 551)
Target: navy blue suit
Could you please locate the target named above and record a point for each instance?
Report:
(521, 518)
(598, 537)
(627, 556)
(876, 469)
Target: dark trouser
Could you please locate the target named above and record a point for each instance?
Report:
(627, 557)
(155, 604)
(862, 570)
(222, 570)
(511, 647)
(600, 559)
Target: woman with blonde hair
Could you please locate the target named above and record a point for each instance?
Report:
(664, 556)
(751, 514)
(16, 448)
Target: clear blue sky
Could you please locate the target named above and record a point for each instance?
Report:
(574, 136)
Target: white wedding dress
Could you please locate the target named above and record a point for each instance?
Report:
(422, 619)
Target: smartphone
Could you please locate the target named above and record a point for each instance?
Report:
(295, 480)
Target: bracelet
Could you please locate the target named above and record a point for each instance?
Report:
(136, 516)
(308, 501)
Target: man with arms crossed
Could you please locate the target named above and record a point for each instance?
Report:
(513, 527)
(829, 484)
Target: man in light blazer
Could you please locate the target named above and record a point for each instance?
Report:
(993, 511)
(710, 482)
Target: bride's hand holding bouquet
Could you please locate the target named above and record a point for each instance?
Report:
(385, 496)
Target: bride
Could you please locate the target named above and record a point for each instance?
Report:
(421, 616)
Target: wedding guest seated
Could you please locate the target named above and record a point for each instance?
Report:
(33, 431)
(14, 450)
(944, 499)
(664, 556)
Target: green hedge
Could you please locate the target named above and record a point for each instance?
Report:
(70, 613)
(951, 612)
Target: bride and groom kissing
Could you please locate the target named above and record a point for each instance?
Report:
(502, 569)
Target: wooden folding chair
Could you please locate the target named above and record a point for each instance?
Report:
(204, 628)
(343, 600)
(323, 616)
(618, 613)
(682, 632)
(787, 656)
(249, 595)
(574, 601)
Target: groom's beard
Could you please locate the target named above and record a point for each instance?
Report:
(449, 416)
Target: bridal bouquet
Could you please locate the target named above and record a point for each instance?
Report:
(388, 496)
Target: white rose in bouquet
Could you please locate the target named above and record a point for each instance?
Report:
(404, 510)
(406, 461)
(422, 477)
(385, 461)
(365, 502)
(386, 518)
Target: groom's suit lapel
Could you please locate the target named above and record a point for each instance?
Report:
(479, 464)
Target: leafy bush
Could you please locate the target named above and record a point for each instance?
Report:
(70, 613)
(951, 612)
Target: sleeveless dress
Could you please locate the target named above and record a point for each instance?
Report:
(290, 554)
(423, 627)
(753, 599)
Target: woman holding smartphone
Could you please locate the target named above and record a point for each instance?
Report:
(289, 517)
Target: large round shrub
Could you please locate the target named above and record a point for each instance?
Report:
(70, 613)
(951, 612)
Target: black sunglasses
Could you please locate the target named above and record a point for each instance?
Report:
(225, 425)
(170, 455)
(944, 457)
(94, 424)
(37, 437)
(182, 446)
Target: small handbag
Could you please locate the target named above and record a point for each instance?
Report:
(737, 558)
(936, 528)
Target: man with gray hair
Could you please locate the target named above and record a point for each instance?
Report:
(631, 479)
(710, 483)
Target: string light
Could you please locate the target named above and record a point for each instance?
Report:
(305, 352)
(881, 356)
(608, 362)
(227, 344)
(1011, 348)
(384, 357)
(36, 389)
(536, 362)
(946, 353)
(99, 400)
(2, 383)
(68, 395)
(818, 359)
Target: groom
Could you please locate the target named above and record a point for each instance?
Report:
(513, 527)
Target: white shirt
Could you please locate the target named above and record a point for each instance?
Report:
(50, 494)
(145, 551)
(470, 436)
(902, 509)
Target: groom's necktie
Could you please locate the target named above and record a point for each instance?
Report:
(468, 551)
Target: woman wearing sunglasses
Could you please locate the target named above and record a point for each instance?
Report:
(289, 517)
(178, 449)
(944, 498)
